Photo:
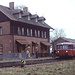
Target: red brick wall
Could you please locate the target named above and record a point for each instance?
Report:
(9, 46)
(5, 38)
(29, 39)
(5, 27)
(7, 42)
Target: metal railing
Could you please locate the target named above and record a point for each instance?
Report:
(21, 55)
(13, 56)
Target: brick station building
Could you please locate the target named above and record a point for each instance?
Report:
(21, 31)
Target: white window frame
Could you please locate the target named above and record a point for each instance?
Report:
(31, 31)
(20, 15)
(22, 31)
(28, 32)
(38, 33)
(28, 17)
(36, 20)
(19, 30)
(0, 30)
(45, 34)
(35, 33)
(42, 34)
(42, 21)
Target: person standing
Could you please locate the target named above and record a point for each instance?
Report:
(36, 54)
(27, 53)
(52, 54)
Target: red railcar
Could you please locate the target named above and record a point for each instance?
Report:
(65, 49)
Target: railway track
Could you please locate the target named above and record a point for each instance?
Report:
(31, 62)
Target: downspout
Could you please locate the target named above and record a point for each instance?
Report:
(49, 36)
(13, 36)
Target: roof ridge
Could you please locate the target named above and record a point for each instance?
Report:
(9, 14)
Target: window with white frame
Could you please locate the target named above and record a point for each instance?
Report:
(36, 20)
(35, 33)
(27, 32)
(31, 31)
(22, 31)
(20, 15)
(0, 30)
(19, 30)
(28, 17)
(42, 34)
(45, 34)
(38, 33)
(42, 21)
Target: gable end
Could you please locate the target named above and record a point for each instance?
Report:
(3, 17)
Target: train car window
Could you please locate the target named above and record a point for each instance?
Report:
(65, 47)
(74, 47)
(60, 47)
(69, 46)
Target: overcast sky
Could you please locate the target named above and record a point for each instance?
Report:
(58, 13)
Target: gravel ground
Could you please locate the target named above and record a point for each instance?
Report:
(54, 68)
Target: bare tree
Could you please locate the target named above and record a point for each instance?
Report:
(20, 7)
(57, 33)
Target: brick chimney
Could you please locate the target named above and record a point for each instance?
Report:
(11, 5)
(25, 9)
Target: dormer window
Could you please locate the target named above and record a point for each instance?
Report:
(28, 17)
(42, 21)
(36, 20)
(34, 17)
(20, 15)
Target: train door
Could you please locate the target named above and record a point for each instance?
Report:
(73, 50)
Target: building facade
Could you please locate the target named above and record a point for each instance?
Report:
(21, 31)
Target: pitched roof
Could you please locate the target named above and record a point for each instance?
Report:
(34, 16)
(10, 13)
(17, 11)
(66, 43)
(26, 14)
(69, 40)
(41, 18)
(66, 39)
